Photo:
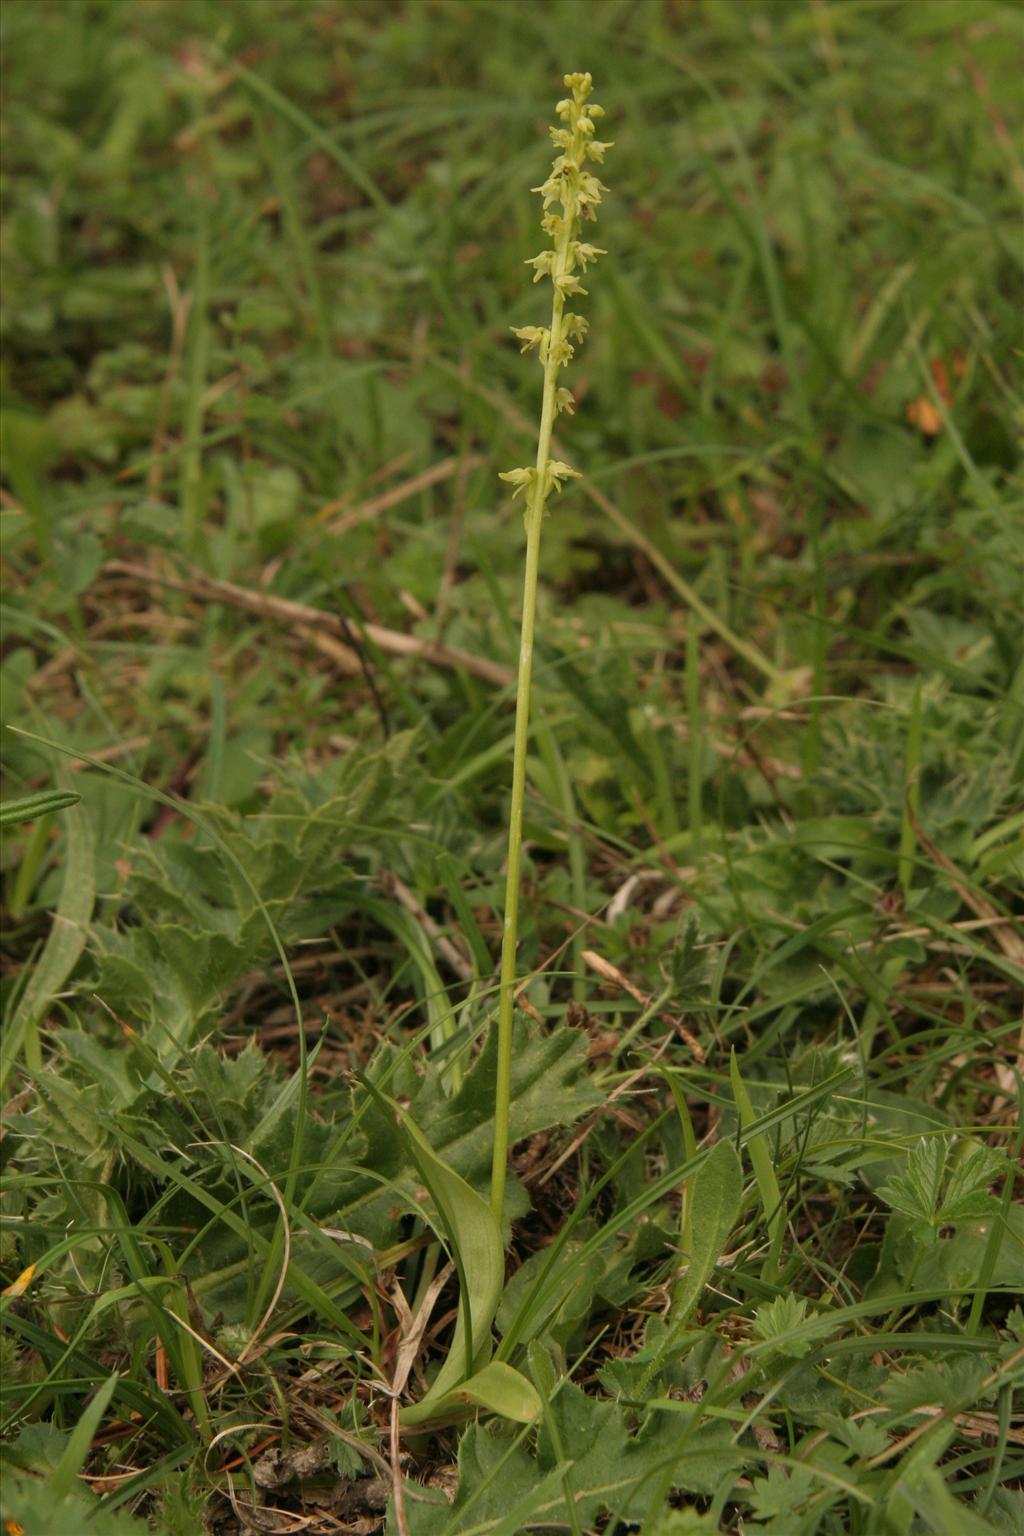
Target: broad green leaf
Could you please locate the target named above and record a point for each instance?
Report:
(463, 1219)
(497, 1388)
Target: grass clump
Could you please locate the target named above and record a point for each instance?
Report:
(759, 1256)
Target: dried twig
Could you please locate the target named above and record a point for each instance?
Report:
(283, 610)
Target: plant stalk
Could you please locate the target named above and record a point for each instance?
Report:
(510, 933)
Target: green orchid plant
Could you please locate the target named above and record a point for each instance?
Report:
(571, 197)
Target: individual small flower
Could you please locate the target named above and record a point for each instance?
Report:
(544, 264)
(596, 148)
(567, 284)
(575, 326)
(585, 253)
(557, 472)
(550, 190)
(530, 336)
(522, 479)
(565, 401)
(590, 189)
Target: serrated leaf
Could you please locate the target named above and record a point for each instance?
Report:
(777, 1493)
(603, 1469)
(498, 1489)
(28, 1503)
(950, 1384)
(915, 1191)
(779, 1317)
(967, 1196)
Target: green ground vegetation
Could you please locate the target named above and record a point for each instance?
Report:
(762, 1254)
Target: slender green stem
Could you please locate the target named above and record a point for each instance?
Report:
(510, 935)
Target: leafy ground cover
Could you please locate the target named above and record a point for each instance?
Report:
(763, 1251)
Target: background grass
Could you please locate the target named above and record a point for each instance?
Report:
(260, 262)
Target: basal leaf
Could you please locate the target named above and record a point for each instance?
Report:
(465, 1221)
(497, 1388)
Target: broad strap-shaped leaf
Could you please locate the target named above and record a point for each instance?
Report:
(463, 1220)
(497, 1387)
